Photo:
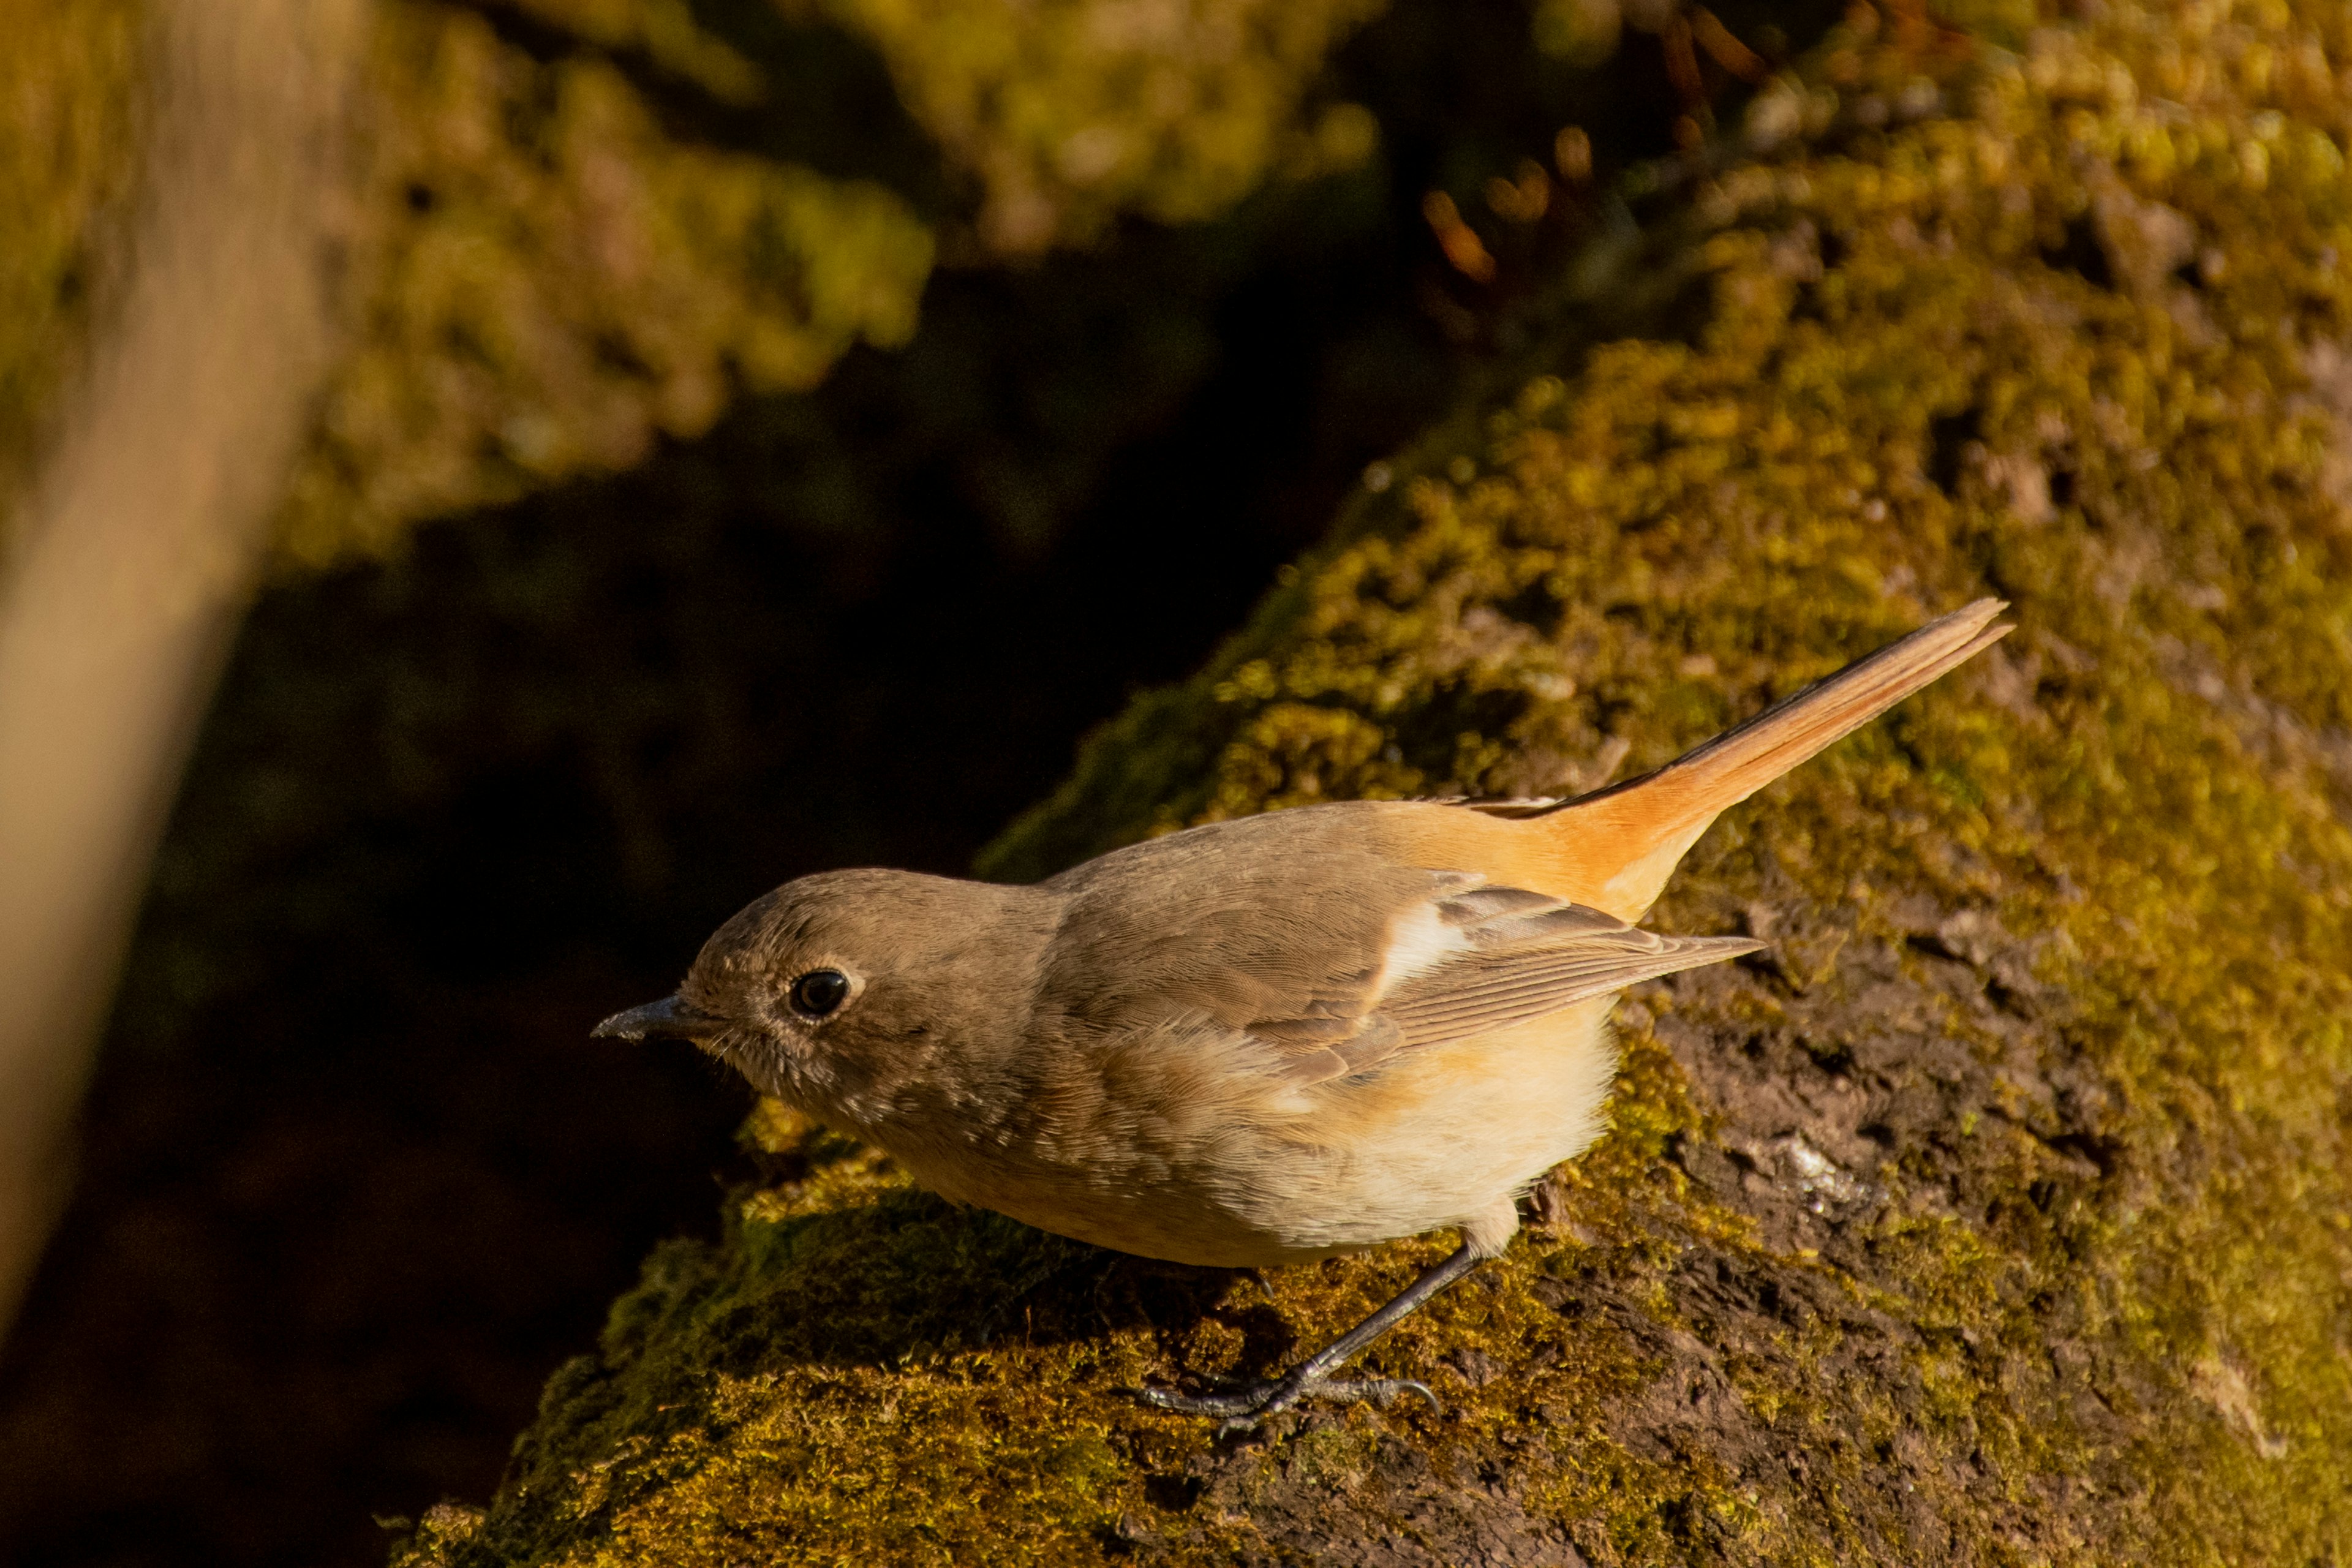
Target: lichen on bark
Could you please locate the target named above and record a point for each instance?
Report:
(2000, 1213)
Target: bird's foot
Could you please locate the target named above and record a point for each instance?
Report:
(1245, 1407)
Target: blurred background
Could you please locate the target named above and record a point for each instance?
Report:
(738, 438)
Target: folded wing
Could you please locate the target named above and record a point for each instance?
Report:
(1515, 955)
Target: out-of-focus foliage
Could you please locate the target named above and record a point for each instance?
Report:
(665, 32)
(548, 281)
(1070, 111)
(68, 114)
(1582, 30)
(562, 257)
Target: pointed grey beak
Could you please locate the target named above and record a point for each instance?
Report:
(668, 1019)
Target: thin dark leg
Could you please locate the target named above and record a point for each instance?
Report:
(1311, 1379)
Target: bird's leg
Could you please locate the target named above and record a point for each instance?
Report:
(1311, 1379)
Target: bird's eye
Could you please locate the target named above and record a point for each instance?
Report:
(819, 992)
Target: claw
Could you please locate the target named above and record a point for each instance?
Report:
(1387, 1390)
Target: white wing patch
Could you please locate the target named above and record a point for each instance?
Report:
(1421, 940)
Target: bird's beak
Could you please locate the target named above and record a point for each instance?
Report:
(668, 1019)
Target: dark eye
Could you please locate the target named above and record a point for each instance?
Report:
(819, 992)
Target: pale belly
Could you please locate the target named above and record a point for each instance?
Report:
(1179, 1147)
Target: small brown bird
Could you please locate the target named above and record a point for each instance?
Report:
(1259, 1041)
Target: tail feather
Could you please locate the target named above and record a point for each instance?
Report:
(1644, 825)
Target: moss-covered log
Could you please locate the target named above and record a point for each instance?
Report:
(2003, 1212)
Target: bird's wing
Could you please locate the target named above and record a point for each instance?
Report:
(1482, 959)
(1538, 961)
(1253, 925)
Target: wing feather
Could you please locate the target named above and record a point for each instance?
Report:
(1521, 955)
(1487, 991)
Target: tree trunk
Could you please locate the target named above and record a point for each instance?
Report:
(1998, 1212)
(143, 534)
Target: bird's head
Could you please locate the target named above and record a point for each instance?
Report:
(836, 990)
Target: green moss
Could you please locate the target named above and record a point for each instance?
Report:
(2074, 921)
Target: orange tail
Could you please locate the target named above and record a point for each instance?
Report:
(1626, 840)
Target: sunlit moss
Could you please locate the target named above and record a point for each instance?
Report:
(2046, 311)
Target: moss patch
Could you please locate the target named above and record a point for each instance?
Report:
(2000, 1213)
